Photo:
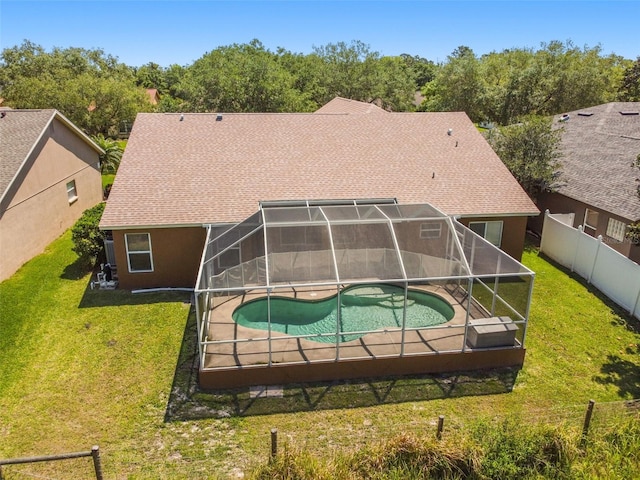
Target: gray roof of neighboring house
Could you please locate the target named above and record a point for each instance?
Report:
(20, 131)
(194, 169)
(599, 146)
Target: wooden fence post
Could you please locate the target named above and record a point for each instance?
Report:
(274, 442)
(97, 464)
(587, 422)
(95, 453)
(440, 427)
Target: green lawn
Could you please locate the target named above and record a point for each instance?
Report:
(80, 367)
(107, 179)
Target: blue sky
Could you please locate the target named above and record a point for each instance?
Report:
(179, 32)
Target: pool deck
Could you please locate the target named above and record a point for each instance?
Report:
(253, 350)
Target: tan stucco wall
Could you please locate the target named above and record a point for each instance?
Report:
(36, 209)
(513, 232)
(176, 258)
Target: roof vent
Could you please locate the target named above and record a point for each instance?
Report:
(585, 114)
(181, 116)
(565, 117)
(450, 131)
(219, 117)
(629, 112)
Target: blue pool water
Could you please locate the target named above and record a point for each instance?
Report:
(363, 307)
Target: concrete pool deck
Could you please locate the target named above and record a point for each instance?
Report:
(298, 359)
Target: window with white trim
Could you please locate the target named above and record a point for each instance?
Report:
(591, 219)
(139, 256)
(72, 194)
(616, 229)
(430, 230)
(490, 231)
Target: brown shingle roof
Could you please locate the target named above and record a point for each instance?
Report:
(345, 105)
(599, 146)
(203, 170)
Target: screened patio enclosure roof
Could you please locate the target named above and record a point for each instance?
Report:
(323, 244)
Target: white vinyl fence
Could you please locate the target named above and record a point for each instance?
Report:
(610, 272)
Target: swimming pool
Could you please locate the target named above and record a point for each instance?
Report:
(363, 307)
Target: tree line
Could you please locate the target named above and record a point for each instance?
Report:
(102, 95)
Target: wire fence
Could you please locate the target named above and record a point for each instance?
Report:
(590, 420)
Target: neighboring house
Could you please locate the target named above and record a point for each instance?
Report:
(154, 96)
(49, 174)
(181, 172)
(599, 183)
(341, 105)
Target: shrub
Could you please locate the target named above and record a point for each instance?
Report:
(88, 239)
(633, 231)
(518, 450)
(408, 456)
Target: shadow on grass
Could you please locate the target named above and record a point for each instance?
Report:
(618, 371)
(622, 373)
(188, 402)
(75, 270)
(94, 298)
(531, 242)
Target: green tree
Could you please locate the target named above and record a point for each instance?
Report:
(396, 88)
(568, 78)
(239, 78)
(504, 86)
(530, 150)
(92, 89)
(152, 75)
(458, 85)
(347, 70)
(629, 88)
(88, 239)
(113, 150)
(422, 70)
(306, 71)
(509, 85)
(351, 71)
(170, 99)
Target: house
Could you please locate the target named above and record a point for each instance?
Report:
(153, 95)
(183, 172)
(599, 184)
(342, 105)
(49, 174)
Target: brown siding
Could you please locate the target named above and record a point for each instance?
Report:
(176, 258)
(513, 233)
(556, 203)
(177, 253)
(36, 210)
